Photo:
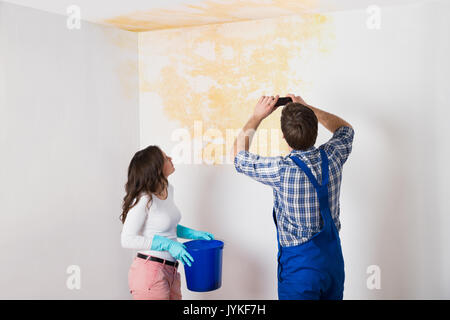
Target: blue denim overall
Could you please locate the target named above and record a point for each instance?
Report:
(315, 269)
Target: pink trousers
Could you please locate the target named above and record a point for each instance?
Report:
(151, 280)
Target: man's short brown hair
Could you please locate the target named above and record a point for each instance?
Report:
(299, 125)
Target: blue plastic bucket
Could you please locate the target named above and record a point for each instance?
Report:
(205, 274)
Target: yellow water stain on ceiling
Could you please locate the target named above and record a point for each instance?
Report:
(216, 73)
(209, 12)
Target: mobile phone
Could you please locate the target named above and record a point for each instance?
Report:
(282, 101)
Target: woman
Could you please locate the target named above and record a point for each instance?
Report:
(150, 219)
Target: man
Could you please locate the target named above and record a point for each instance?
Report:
(306, 188)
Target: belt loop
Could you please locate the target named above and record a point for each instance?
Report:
(148, 257)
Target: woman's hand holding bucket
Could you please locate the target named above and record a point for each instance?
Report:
(175, 248)
(202, 235)
(178, 251)
(187, 233)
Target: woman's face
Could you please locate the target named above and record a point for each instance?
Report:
(168, 168)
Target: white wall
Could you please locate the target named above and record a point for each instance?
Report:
(68, 129)
(69, 126)
(392, 85)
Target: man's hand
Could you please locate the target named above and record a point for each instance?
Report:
(265, 106)
(297, 99)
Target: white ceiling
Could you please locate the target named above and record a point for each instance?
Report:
(151, 11)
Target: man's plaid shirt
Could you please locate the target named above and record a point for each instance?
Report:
(296, 203)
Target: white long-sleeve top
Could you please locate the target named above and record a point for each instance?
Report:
(142, 224)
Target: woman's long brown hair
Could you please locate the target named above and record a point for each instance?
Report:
(145, 175)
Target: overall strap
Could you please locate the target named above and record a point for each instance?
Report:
(325, 175)
(322, 190)
(308, 172)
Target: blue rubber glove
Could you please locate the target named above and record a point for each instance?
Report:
(187, 233)
(176, 249)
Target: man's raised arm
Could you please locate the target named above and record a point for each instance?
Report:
(328, 120)
(264, 107)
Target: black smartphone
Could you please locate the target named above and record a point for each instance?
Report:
(282, 101)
